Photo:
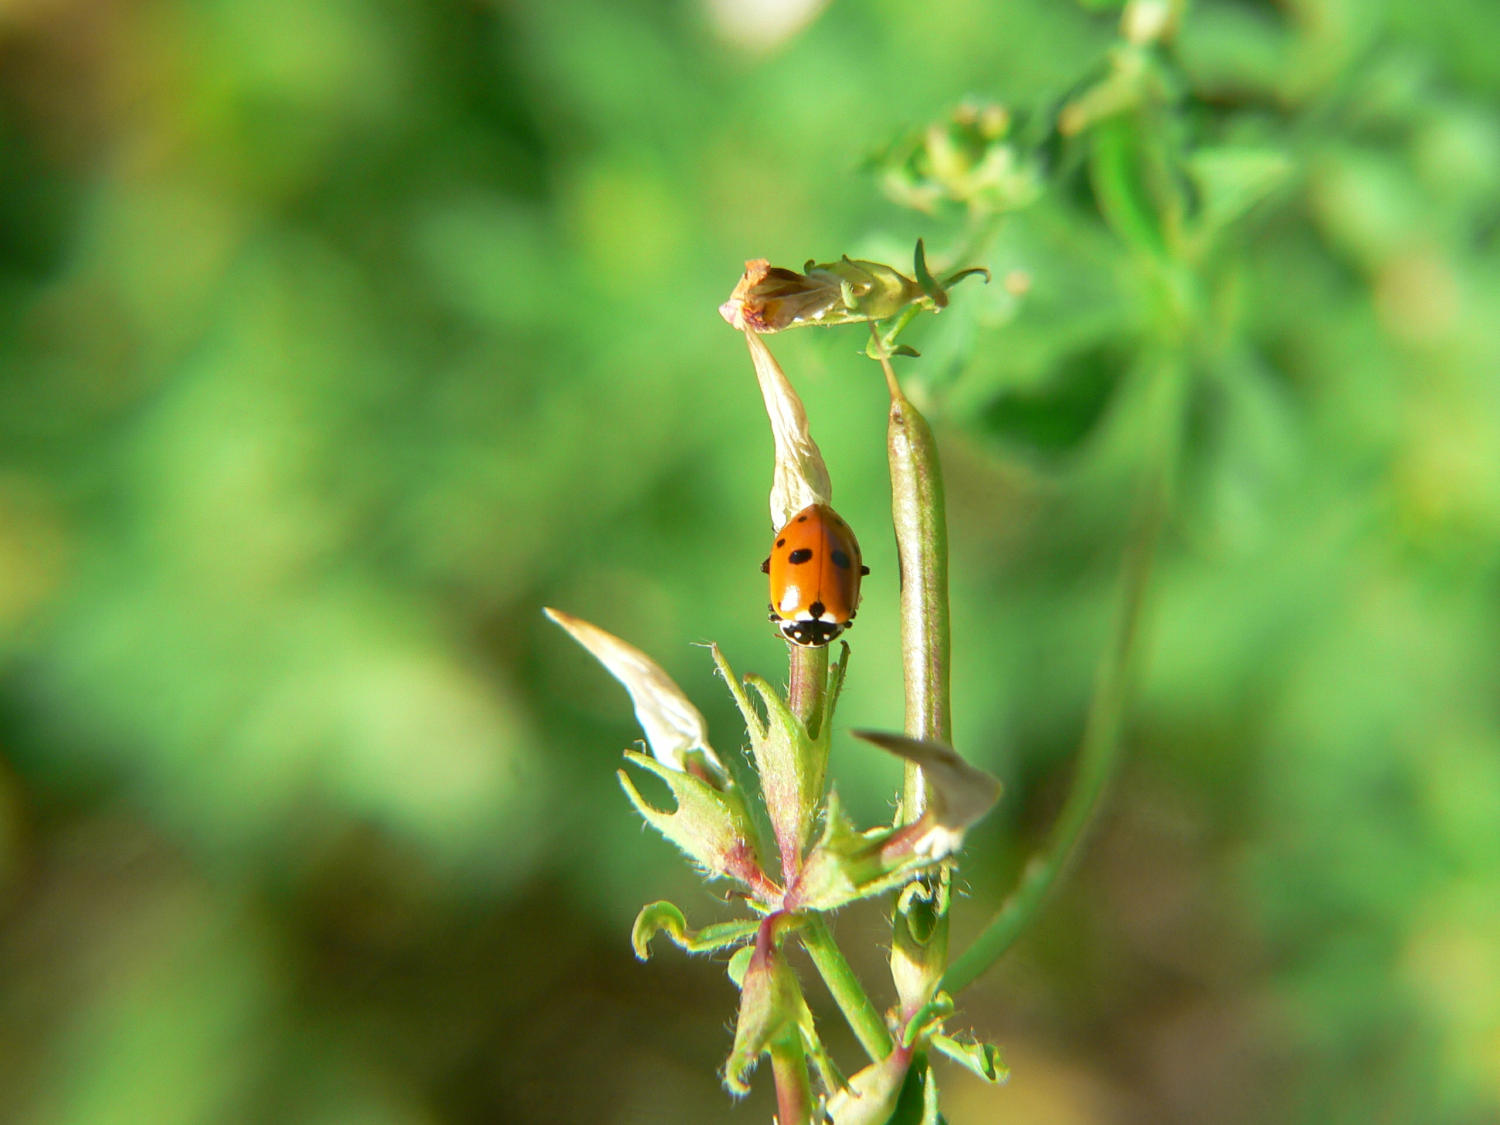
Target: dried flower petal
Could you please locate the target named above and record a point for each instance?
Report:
(800, 477)
(958, 793)
(672, 725)
(770, 298)
(870, 1095)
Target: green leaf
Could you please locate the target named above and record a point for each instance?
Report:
(928, 1017)
(753, 722)
(1231, 180)
(710, 825)
(792, 767)
(929, 284)
(981, 1058)
(771, 1008)
(846, 865)
(972, 271)
(1120, 184)
(664, 917)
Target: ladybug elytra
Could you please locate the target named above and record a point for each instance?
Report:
(815, 570)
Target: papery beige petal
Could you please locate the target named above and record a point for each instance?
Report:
(672, 725)
(958, 793)
(870, 1095)
(800, 477)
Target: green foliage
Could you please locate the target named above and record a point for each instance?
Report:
(335, 339)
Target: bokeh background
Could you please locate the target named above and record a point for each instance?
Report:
(338, 338)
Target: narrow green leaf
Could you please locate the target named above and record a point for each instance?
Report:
(930, 285)
(1119, 184)
(928, 1017)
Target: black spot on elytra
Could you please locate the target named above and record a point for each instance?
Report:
(817, 609)
(840, 559)
(801, 519)
(800, 556)
(781, 542)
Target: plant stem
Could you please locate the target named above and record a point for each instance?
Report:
(794, 1103)
(807, 686)
(808, 698)
(865, 1020)
(1101, 736)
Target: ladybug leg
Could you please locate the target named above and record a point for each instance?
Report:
(862, 570)
(765, 567)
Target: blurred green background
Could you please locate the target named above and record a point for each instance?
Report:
(337, 338)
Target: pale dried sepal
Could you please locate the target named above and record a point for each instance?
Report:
(801, 477)
(870, 1096)
(672, 725)
(958, 793)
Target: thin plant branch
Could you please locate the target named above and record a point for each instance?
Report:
(1100, 748)
(847, 992)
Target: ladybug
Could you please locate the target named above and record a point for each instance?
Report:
(815, 570)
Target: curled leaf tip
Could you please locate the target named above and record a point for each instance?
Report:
(973, 271)
(666, 918)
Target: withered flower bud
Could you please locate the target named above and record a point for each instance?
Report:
(769, 298)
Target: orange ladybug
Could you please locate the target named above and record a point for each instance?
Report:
(815, 570)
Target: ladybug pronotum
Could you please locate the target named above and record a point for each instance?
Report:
(815, 570)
